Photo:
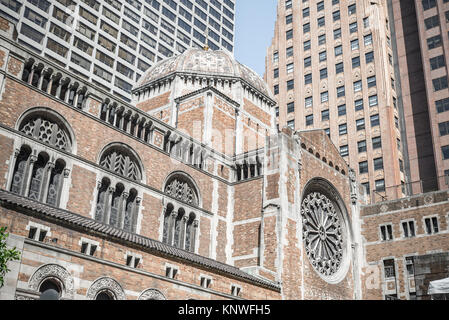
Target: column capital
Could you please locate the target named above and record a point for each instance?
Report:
(66, 172)
(33, 158)
(196, 223)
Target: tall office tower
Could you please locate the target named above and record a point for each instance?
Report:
(330, 66)
(421, 29)
(112, 42)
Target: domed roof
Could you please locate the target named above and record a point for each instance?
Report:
(204, 62)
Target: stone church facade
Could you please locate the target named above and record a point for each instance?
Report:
(189, 192)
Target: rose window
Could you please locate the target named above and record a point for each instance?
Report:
(322, 232)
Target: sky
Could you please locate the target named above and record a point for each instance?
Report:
(254, 29)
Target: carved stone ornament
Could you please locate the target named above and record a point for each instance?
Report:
(108, 284)
(322, 232)
(53, 271)
(152, 294)
(181, 190)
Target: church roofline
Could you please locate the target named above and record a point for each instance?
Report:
(76, 221)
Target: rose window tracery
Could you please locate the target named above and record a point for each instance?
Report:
(322, 232)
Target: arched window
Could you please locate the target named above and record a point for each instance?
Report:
(19, 174)
(48, 127)
(38, 177)
(180, 224)
(122, 160)
(48, 286)
(117, 207)
(105, 295)
(181, 188)
(55, 184)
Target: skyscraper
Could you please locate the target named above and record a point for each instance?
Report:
(111, 42)
(421, 42)
(330, 66)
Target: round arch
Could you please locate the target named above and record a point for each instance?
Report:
(65, 137)
(327, 231)
(56, 273)
(151, 294)
(135, 171)
(106, 284)
(179, 179)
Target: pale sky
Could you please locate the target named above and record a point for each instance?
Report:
(254, 29)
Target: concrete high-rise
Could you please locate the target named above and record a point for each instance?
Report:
(111, 42)
(422, 45)
(330, 66)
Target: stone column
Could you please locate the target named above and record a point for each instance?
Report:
(182, 234)
(171, 224)
(108, 205)
(122, 209)
(46, 181)
(28, 174)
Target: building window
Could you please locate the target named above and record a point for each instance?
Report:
(374, 120)
(323, 56)
(369, 57)
(88, 246)
(289, 19)
(290, 107)
(275, 57)
(289, 34)
(409, 263)
(371, 81)
(341, 110)
(322, 39)
(339, 68)
(289, 68)
(432, 22)
(307, 62)
(367, 188)
(428, 4)
(342, 129)
(353, 27)
(444, 128)
(386, 232)
(442, 105)
(276, 73)
(378, 164)
(437, 62)
(361, 146)
(341, 91)
(344, 151)
(377, 143)
(307, 45)
(434, 42)
(358, 105)
(357, 86)
(368, 39)
(308, 102)
(338, 50)
(290, 84)
(356, 62)
(440, 83)
(289, 52)
(133, 260)
(276, 89)
(380, 185)
(431, 225)
(321, 22)
(205, 282)
(235, 290)
(363, 167)
(408, 227)
(291, 124)
(337, 34)
(372, 100)
(355, 44)
(360, 124)
(324, 96)
(308, 78)
(389, 269)
(325, 115)
(309, 120)
(171, 271)
(306, 28)
(352, 9)
(336, 15)
(323, 73)
(37, 232)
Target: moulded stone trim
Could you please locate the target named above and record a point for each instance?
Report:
(50, 271)
(106, 284)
